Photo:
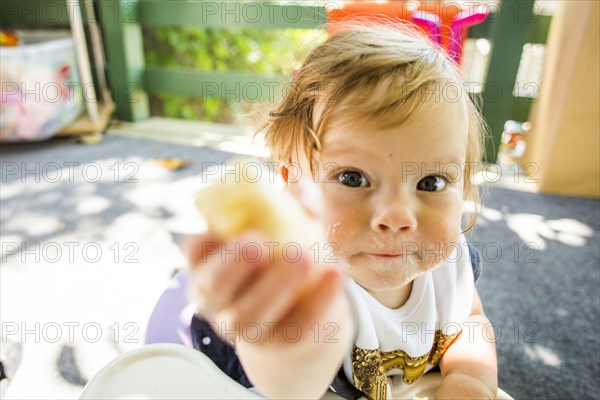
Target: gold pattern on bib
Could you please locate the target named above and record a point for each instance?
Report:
(370, 367)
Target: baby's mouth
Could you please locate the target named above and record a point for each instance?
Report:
(391, 255)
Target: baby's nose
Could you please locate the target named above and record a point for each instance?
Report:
(395, 216)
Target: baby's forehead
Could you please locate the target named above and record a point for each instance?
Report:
(452, 116)
(437, 134)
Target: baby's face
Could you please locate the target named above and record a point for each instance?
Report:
(392, 200)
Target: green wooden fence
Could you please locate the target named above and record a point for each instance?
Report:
(509, 28)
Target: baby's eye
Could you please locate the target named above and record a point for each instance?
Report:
(353, 179)
(432, 183)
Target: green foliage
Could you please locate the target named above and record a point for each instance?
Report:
(261, 51)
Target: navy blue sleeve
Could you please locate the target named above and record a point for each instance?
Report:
(219, 351)
(475, 261)
(343, 388)
(224, 357)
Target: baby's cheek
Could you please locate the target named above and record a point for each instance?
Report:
(450, 245)
(340, 232)
(335, 214)
(442, 235)
(448, 239)
(337, 234)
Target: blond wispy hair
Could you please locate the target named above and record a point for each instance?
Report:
(370, 73)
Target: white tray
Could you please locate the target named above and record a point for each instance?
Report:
(164, 371)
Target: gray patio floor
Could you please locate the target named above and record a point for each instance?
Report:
(86, 255)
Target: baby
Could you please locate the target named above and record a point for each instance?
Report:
(377, 138)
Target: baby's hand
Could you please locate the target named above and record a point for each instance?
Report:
(242, 286)
(462, 386)
(287, 318)
(283, 316)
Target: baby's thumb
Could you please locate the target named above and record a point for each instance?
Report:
(198, 247)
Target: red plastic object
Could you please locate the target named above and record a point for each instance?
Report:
(444, 23)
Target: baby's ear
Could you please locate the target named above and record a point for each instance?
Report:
(291, 172)
(288, 175)
(284, 172)
(299, 182)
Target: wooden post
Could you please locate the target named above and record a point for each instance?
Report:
(98, 51)
(90, 99)
(125, 58)
(508, 36)
(563, 146)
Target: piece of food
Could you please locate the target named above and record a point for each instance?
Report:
(240, 204)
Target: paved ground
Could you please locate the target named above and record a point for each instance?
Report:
(544, 300)
(86, 254)
(100, 246)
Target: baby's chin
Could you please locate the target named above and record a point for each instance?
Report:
(383, 276)
(375, 273)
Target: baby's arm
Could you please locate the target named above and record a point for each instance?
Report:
(469, 367)
(239, 292)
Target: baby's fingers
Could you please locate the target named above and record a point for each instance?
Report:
(218, 280)
(198, 248)
(271, 296)
(317, 303)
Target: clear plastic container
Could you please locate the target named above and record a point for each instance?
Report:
(40, 91)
